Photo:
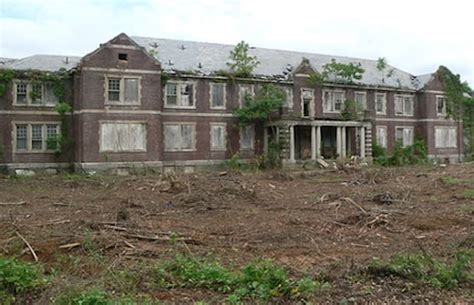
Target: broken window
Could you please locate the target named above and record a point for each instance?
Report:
(361, 100)
(217, 95)
(218, 136)
(382, 136)
(21, 93)
(179, 136)
(307, 102)
(179, 95)
(123, 137)
(333, 101)
(404, 136)
(114, 89)
(37, 94)
(21, 137)
(247, 137)
(380, 103)
(445, 137)
(403, 105)
(123, 56)
(123, 90)
(52, 136)
(245, 92)
(440, 105)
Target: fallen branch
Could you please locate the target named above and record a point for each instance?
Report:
(129, 244)
(157, 238)
(70, 246)
(349, 200)
(13, 203)
(115, 228)
(28, 245)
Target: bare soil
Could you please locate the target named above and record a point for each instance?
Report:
(331, 223)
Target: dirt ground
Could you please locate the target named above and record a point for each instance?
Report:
(331, 222)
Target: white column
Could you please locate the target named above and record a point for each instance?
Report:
(292, 144)
(343, 142)
(318, 141)
(265, 140)
(362, 142)
(313, 142)
(338, 141)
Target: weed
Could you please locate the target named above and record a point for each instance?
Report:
(235, 163)
(448, 180)
(469, 193)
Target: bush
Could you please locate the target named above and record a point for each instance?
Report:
(17, 276)
(379, 154)
(410, 155)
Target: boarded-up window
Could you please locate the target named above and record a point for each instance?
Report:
(218, 136)
(381, 103)
(404, 136)
(247, 137)
(361, 100)
(289, 97)
(179, 95)
(382, 136)
(123, 90)
(179, 137)
(49, 96)
(245, 92)
(123, 137)
(131, 90)
(217, 96)
(445, 137)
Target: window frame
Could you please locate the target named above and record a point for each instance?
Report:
(193, 139)
(29, 137)
(311, 113)
(102, 150)
(252, 146)
(384, 101)
(384, 128)
(121, 101)
(333, 102)
(178, 94)
(289, 97)
(224, 126)
(364, 93)
(412, 128)
(43, 102)
(211, 96)
(444, 113)
(404, 112)
(446, 128)
(241, 86)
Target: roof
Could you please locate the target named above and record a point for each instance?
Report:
(44, 63)
(424, 79)
(206, 58)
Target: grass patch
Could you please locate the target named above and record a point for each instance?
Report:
(448, 180)
(18, 277)
(469, 193)
(260, 280)
(95, 296)
(428, 270)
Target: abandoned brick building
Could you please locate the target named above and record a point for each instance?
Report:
(146, 102)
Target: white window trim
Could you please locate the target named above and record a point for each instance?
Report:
(311, 104)
(446, 127)
(121, 101)
(405, 127)
(384, 108)
(364, 106)
(225, 136)
(29, 89)
(211, 85)
(28, 149)
(193, 148)
(403, 105)
(377, 127)
(444, 113)
(178, 92)
(334, 91)
(252, 89)
(252, 147)
(289, 97)
(122, 122)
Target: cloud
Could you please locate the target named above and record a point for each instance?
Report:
(415, 36)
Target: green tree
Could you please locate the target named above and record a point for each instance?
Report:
(348, 72)
(241, 62)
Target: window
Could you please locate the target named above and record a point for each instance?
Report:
(122, 56)
(404, 135)
(247, 137)
(333, 101)
(34, 94)
(307, 102)
(37, 137)
(403, 105)
(440, 105)
(122, 137)
(179, 95)
(381, 103)
(180, 136)
(361, 100)
(289, 97)
(218, 95)
(218, 136)
(123, 90)
(382, 136)
(245, 91)
(445, 137)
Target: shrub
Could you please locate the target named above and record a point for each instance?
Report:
(379, 154)
(235, 163)
(17, 276)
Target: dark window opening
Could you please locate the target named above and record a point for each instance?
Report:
(306, 107)
(123, 56)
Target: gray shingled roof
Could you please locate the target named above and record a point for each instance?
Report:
(188, 55)
(44, 63)
(424, 79)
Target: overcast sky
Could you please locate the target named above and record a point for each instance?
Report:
(415, 36)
